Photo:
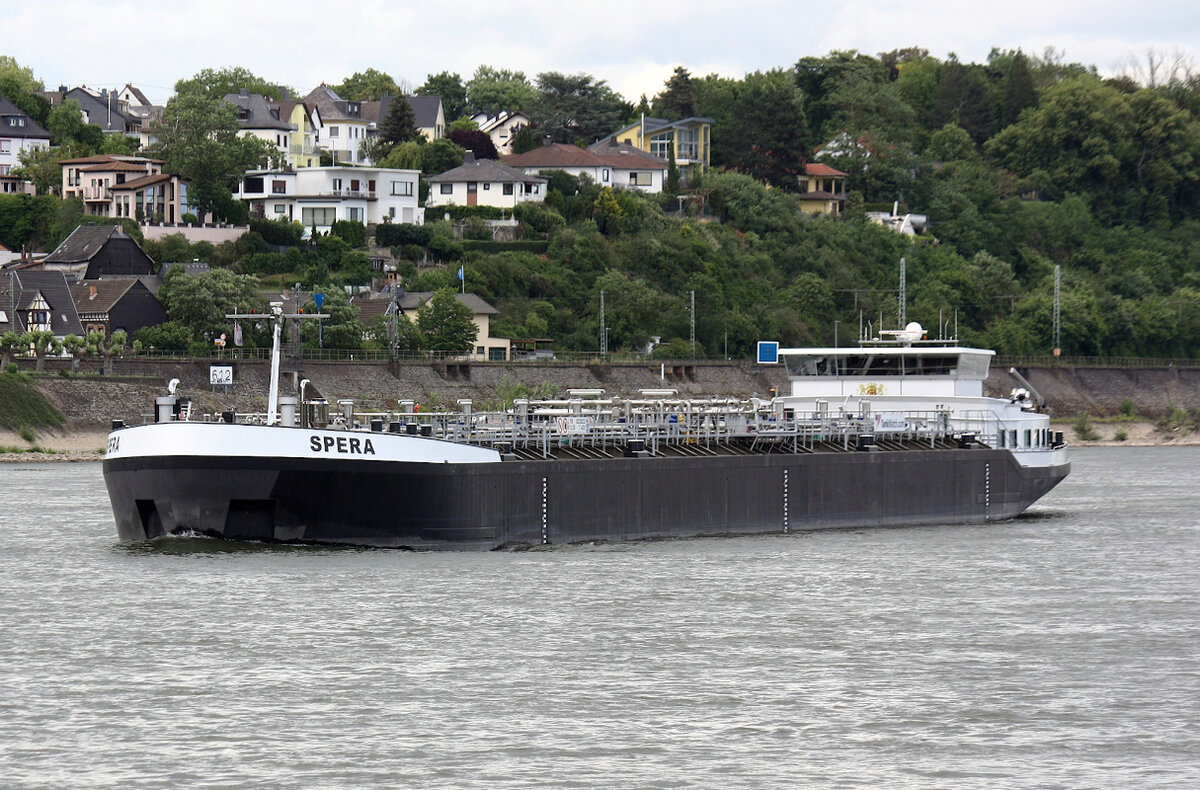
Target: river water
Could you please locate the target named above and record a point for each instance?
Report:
(1059, 650)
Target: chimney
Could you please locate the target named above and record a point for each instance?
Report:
(469, 158)
(91, 292)
(547, 140)
(244, 92)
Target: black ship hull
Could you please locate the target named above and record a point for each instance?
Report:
(481, 506)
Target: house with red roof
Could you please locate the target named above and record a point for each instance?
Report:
(609, 163)
(125, 186)
(822, 190)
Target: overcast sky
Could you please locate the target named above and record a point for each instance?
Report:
(633, 46)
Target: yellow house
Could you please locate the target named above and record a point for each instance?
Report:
(303, 149)
(822, 190)
(688, 138)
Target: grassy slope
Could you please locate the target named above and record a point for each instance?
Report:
(23, 406)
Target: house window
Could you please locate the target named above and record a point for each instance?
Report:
(279, 187)
(333, 131)
(5, 146)
(354, 214)
(447, 189)
(486, 186)
(637, 179)
(508, 189)
(688, 146)
(337, 185)
(660, 145)
(280, 208)
(354, 184)
(402, 188)
(604, 175)
(318, 216)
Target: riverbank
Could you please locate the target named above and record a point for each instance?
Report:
(79, 444)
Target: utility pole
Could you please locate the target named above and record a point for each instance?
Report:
(693, 309)
(603, 330)
(1057, 310)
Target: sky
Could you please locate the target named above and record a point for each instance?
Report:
(633, 46)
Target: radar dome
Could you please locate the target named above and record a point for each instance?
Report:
(912, 333)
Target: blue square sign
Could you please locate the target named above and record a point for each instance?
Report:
(768, 352)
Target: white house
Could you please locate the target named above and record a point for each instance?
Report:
(257, 118)
(502, 128)
(18, 132)
(608, 164)
(341, 125)
(319, 196)
(483, 182)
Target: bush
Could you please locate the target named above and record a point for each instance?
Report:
(353, 233)
(535, 247)
(398, 234)
(476, 229)
(1128, 408)
(1084, 431)
(461, 213)
(279, 232)
(1120, 435)
(538, 217)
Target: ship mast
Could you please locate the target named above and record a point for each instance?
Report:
(277, 318)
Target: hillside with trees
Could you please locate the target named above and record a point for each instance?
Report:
(1022, 164)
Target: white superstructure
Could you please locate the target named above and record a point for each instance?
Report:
(901, 381)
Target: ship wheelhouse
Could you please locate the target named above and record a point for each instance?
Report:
(906, 383)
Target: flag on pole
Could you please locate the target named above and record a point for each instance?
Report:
(460, 272)
(237, 333)
(461, 279)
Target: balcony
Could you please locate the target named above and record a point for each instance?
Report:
(103, 194)
(348, 193)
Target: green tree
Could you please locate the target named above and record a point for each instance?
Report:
(819, 78)
(492, 90)
(1018, 91)
(678, 99)
(217, 83)
(19, 86)
(576, 108)
(369, 85)
(41, 166)
(447, 324)
(343, 328)
(66, 123)
(400, 125)
(965, 97)
(200, 302)
(406, 156)
(440, 156)
(106, 347)
(450, 88)
(523, 141)
(771, 141)
(199, 139)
